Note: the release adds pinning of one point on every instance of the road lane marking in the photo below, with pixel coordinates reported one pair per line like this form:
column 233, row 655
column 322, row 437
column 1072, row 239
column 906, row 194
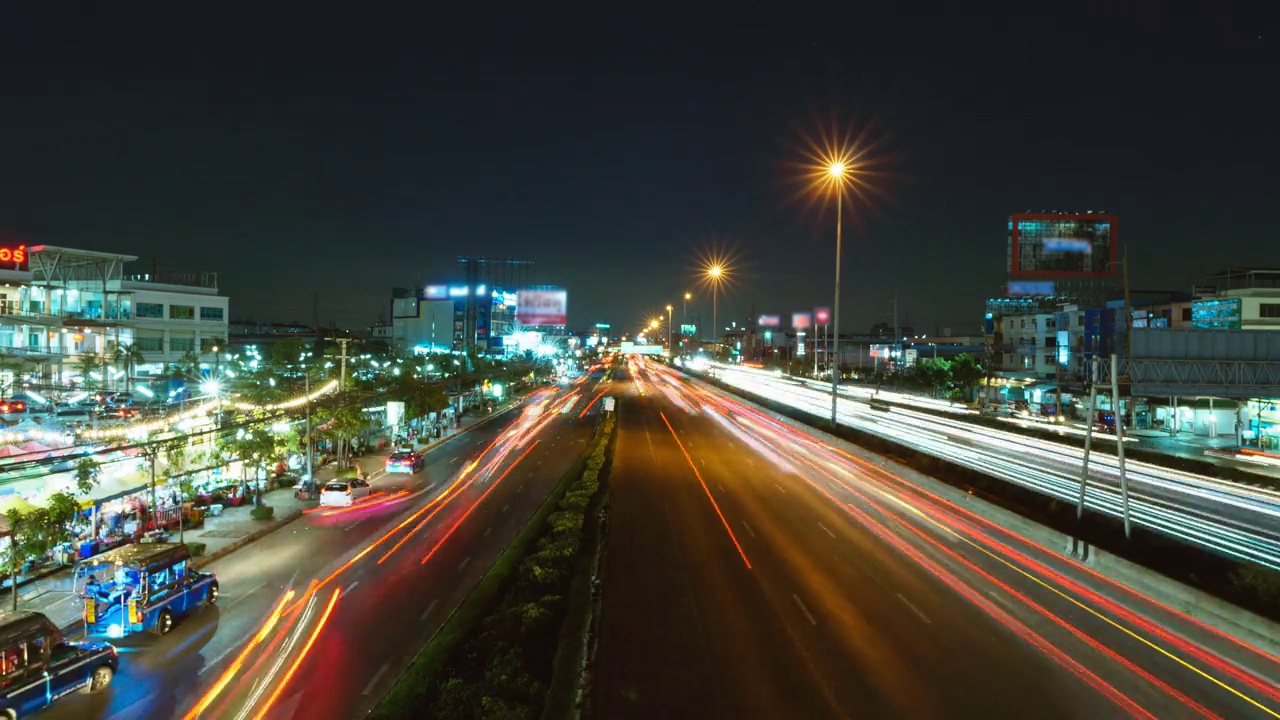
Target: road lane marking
column 504, row 507
column 804, row 609
column 351, row 587
column 779, row 487
column 824, row 527
column 749, row 461
column 464, row 563
column 372, row 681
column 427, row 612
column 915, row 609
column 455, row 458
column 748, row 527
column 219, row 658
column 247, row 593
column 703, row 461
column 488, row 530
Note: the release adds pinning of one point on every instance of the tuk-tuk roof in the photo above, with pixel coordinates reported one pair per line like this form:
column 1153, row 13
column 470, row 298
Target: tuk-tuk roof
column 142, row 554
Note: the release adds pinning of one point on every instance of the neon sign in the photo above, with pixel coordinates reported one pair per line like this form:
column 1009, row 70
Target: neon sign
column 17, row 256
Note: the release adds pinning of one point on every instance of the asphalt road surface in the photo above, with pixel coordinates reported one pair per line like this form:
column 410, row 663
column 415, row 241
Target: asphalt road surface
column 475, row 492
column 753, row 570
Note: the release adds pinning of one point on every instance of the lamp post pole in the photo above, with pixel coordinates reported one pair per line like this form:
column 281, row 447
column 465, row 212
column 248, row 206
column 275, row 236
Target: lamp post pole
column 835, row 310
column 670, row 348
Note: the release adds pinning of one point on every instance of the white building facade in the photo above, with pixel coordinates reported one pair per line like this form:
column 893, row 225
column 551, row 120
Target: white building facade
column 69, row 317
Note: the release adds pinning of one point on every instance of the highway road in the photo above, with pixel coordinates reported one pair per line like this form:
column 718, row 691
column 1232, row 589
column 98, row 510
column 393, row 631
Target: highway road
column 319, row 618
column 1236, row 520
column 755, row 570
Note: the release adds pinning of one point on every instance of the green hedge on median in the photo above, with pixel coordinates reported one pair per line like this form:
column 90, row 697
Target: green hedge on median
column 503, row 666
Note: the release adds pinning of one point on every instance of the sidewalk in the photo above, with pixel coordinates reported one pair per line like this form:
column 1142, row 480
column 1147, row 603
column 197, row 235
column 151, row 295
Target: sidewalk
column 230, row 530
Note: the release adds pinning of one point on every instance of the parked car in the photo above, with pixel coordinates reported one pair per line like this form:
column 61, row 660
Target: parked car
column 38, row 666
column 344, row 491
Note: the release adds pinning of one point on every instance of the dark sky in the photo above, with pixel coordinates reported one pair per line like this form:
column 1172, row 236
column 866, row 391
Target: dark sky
column 302, row 151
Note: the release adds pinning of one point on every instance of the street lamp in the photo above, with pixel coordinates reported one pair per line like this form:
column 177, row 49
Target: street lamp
column 670, row 349
column 837, row 172
column 684, row 318
column 715, row 274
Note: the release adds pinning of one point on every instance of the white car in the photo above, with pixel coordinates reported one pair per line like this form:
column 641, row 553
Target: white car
column 343, row 492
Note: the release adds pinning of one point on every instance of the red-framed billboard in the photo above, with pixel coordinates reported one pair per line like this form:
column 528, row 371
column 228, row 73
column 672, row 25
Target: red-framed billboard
column 1062, row 245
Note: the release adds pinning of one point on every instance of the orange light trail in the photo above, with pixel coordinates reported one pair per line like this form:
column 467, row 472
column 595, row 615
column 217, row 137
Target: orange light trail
column 300, row 657
column 476, row 504
column 707, row 490
column 234, row 668
column 590, row 404
column 322, row 508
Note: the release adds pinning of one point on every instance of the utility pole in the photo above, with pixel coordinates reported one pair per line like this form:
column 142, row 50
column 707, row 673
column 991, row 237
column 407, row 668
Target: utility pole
column 1094, row 365
column 1124, row 479
column 306, row 383
column 342, row 387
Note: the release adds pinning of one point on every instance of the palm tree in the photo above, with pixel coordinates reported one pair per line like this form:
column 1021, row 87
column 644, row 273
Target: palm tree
column 87, row 364
column 128, row 356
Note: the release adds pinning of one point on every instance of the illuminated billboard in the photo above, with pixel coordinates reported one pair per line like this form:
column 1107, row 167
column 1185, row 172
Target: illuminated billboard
column 822, row 315
column 1062, row 245
column 1030, row 287
column 770, row 321
column 1224, row 314
column 801, row 320
column 542, row 307
column 437, row 292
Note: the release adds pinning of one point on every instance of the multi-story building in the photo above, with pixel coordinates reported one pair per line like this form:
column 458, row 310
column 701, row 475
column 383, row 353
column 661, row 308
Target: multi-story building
column 75, row 317
column 245, row 333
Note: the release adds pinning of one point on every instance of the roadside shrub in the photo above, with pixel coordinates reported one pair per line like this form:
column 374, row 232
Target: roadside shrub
column 565, row 522
column 262, row 512
column 197, row 548
column 576, row 503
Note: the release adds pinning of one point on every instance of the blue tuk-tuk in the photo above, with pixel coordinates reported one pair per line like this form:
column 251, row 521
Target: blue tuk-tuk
column 142, row 587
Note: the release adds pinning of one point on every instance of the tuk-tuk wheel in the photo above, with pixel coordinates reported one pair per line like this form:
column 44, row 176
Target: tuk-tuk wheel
column 164, row 623
column 101, row 678
column 212, row 597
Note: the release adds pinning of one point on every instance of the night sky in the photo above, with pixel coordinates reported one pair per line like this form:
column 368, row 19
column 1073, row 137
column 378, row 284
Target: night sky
column 343, row 153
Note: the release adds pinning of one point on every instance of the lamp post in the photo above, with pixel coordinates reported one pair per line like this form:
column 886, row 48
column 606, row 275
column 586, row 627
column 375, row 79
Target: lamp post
column 714, row 274
column 684, row 319
column 670, row 347
column 836, row 171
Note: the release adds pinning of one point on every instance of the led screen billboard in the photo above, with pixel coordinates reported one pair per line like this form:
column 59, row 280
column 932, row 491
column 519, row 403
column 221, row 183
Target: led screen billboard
column 1062, row 245
column 822, row 315
column 801, row 320
column 542, row 307
column 770, row 321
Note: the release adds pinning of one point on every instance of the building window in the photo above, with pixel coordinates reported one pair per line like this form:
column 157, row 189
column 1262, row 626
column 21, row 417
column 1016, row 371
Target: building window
column 182, row 312
column 149, row 310
column 147, row 343
column 1269, row 310
column 1050, row 342
column 1186, row 314
column 181, row 344
column 210, row 313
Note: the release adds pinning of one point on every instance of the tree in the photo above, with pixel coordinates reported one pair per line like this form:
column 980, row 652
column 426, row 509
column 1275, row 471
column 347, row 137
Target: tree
column 933, row 373
column 86, row 365
column 966, row 373
column 342, row 424
column 127, row 357
column 86, row 474
column 34, row 533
